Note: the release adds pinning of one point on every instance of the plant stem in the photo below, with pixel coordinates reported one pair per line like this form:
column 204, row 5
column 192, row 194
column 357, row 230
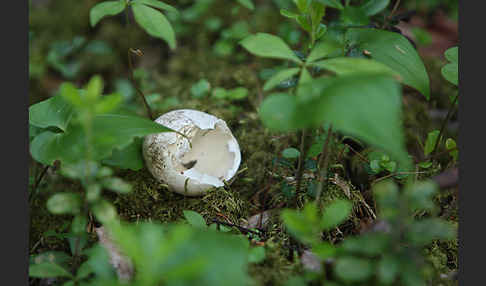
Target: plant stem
column 442, row 128
column 132, row 79
column 37, row 182
column 303, row 153
column 324, row 160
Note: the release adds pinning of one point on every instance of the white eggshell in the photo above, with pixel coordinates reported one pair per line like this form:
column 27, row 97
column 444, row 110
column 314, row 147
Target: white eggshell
column 215, row 154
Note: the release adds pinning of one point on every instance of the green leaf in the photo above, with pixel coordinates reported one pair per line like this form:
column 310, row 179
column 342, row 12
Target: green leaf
column 84, row 271
column 195, row 219
column 291, row 153
column 420, row 194
column 278, row 112
column 104, row 212
column 288, row 14
column 324, row 250
column 388, row 269
column 365, row 106
column 201, row 88
column 64, row 203
column 354, row 16
column 117, row 185
column 305, row 76
column 247, row 4
column 302, row 224
column 256, row 254
column 369, row 244
column 70, row 147
column 269, row 46
column 129, row 157
column 157, row 4
column 332, row 3
column 154, row 23
column 302, row 5
column 451, row 70
column 48, row 270
column 395, row 51
column 353, row 269
column 427, row 230
column 432, row 138
column 103, row 9
column 335, row 213
column 324, row 48
column 54, row 111
column 373, row 7
column 349, row 66
column 237, row 93
column 450, row 145
column 78, row 225
column 277, row 78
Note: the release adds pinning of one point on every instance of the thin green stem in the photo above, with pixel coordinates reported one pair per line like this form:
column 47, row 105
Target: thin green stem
column 451, row 111
column 323, row 168
column 132, row 79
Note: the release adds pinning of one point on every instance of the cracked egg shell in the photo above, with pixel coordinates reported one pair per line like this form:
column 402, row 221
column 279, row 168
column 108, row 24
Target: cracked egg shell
column 213, row 158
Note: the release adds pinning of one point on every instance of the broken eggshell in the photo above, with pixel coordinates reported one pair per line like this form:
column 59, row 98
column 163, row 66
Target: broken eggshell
column 191, row 168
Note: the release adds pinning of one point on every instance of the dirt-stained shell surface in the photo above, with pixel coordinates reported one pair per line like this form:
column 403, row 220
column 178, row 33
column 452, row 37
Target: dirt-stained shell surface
column 214, row 156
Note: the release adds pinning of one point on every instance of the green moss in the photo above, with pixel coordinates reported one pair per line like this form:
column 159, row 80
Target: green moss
column 150, row 200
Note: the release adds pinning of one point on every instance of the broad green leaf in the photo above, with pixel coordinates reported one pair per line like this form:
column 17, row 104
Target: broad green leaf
column 105, row 212
column 324, row 250
column 117, row 185
column 84, row 271
column 353, row 269
column 427, row 230
column 420, row 194
column 302, row 224
column 200, row 88
column 256, row 254
column 236, row 93
column 157, row 4
column 451, row 70
column 365, row 106
column 247, row 4
column 387, row 199
column 369, row 244
column 354, row 16
column 54, row 111
column 103, row 9
column 269, row 46
column 291, row 153
column 154, row 23
column 129, row 157
column 373, row 7
column 109, row 131
column 195, row 219
column 395, row 51
column 349, row 66
column 279, row 112
column 332, row 3
column 48, row 270
column 387, row 269
column 277, row 78
column 324, row 48
column 430, row 142
column 64, row 203
column 335, row 213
